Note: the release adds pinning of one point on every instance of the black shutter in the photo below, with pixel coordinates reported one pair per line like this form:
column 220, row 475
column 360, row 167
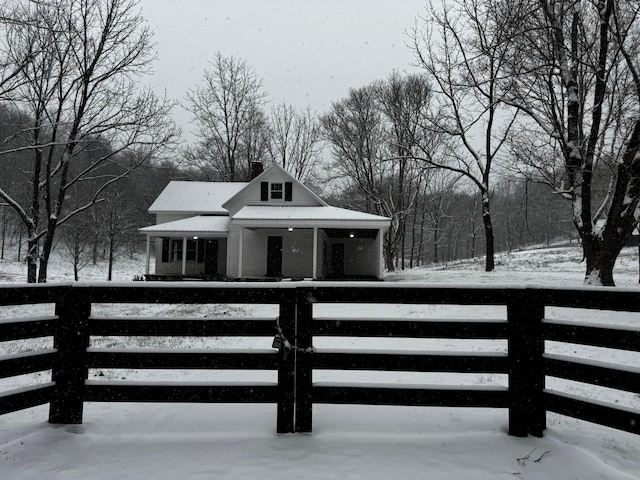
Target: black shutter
column 165, row 250
column 264, row 191
column 288, row 191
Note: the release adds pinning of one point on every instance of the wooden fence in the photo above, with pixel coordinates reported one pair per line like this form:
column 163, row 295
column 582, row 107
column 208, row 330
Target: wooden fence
column 294, row 357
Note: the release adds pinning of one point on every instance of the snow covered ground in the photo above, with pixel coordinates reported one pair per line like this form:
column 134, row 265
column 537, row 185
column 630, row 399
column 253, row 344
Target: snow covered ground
column 160, row 441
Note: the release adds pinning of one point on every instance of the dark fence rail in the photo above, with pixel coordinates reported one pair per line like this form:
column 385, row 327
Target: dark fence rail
column 525, row 364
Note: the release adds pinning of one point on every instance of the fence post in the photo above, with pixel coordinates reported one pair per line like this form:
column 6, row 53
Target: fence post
column 287, row 364
column 304, row 345
column 70, row 372
column 527, row 413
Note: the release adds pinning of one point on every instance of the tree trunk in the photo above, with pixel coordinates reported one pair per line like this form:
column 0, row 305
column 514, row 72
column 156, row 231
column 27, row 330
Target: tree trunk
column 4, row 231
column 94, row 249
column 388, row 253
column 488, row 233
column 600, row 259
column 44, row 265
column 111, row 254
column 20, row 243
column 435, row 241
column 413, row 261
column 47, row 246
column 473, row 244
column 32, row 259
column 421, row 241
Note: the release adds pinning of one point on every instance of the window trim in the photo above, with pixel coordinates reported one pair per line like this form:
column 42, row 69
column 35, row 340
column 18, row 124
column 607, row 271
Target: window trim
column 276, row 191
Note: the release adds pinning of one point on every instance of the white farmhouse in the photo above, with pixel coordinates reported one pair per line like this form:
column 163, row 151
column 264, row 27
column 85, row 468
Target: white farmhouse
column 271, row 227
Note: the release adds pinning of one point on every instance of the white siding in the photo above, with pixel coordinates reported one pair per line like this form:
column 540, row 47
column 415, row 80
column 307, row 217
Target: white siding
column 254, row 254
column 297, row 253
column 233, row 251
column 297, row 249
column 251, row 195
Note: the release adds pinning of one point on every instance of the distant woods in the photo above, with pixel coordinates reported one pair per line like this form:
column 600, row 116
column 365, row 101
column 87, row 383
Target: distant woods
column 518, row 126
column 75, row 122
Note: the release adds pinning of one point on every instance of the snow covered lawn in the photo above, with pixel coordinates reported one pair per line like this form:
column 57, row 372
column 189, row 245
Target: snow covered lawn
column 134, row 441
column 161, row 441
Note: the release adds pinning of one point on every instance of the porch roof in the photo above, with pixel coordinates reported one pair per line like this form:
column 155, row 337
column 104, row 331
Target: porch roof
column 199, row 225
column 322, row 214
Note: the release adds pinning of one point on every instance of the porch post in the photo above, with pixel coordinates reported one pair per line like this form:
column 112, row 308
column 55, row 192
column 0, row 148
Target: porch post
column 315, row 253
column 148, row 254
column 380, row 253
column 184, row 255
column 240, row 247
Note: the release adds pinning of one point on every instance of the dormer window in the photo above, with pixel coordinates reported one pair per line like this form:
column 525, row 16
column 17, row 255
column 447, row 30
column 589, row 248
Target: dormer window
column 276, row 191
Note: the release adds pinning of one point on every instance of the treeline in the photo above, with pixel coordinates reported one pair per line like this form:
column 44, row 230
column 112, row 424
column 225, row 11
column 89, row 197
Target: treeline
column 103, row 232
column 448, row 227
column 76, row 120
column 443, row 227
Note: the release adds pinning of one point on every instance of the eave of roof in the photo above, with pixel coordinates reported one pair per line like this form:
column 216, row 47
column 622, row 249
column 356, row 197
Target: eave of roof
column 199, row 225
column 321, row 216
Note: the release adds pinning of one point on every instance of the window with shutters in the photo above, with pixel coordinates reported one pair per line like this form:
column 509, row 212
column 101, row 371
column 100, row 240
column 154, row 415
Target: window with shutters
column 276, row 191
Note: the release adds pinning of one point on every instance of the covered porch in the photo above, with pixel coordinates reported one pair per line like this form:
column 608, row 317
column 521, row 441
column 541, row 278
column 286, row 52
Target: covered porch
column 314, row 242
column 188, row 249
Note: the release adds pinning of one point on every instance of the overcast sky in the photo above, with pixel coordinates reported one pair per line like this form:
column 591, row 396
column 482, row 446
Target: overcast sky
column 308, row 52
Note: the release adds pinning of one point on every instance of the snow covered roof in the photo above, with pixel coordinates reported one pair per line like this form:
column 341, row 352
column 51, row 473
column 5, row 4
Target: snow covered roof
column 313, row 214
column 195, row 197
column 199, row 225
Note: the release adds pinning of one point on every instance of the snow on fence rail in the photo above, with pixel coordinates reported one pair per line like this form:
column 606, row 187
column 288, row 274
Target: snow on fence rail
column 294, row 358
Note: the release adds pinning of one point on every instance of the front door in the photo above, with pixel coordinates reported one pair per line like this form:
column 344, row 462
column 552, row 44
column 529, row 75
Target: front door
column 210, row 257
column 337, row 259
column 274, row 256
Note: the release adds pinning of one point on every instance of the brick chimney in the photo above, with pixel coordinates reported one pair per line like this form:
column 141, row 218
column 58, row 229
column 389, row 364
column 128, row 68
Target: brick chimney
column 256, row 169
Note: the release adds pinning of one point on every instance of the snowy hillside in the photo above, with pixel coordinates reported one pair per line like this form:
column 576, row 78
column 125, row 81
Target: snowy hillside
column 555, row 266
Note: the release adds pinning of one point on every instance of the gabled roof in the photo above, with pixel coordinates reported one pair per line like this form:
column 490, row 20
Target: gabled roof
column 266, row 173
column 195, row 197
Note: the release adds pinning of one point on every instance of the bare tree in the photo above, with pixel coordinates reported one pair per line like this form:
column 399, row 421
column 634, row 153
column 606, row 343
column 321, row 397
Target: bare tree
column 465, row 60
column 79, row 85
column 74, row 249
column 373, row 134
column 355, row 130
column 224, row 109
column 295, row 140
column 405, row 101
column 254, row 143
column 576, row 74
